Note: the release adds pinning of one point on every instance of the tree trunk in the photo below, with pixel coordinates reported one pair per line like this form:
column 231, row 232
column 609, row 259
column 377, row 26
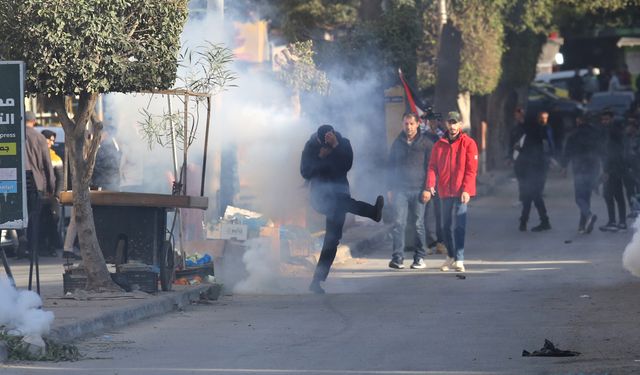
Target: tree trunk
column 448, row 61
column 464, row 104
column 500, row 108
column 82, row 153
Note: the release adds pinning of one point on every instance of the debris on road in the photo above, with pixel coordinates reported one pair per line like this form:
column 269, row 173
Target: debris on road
column 550, row 350
column 461, row 277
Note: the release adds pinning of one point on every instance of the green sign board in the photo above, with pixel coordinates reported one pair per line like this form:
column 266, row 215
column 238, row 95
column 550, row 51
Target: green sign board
column 13, row 200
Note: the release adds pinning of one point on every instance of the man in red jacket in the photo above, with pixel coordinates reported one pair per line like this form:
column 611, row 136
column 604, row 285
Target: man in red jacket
column 452, row 171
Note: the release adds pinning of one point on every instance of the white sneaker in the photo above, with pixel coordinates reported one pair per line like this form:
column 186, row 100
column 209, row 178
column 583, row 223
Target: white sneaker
column 458, row 266
column 447, row 264
column 418, row 265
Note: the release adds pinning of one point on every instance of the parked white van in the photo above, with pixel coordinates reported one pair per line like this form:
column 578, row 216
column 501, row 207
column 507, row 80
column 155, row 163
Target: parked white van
column 561, row 79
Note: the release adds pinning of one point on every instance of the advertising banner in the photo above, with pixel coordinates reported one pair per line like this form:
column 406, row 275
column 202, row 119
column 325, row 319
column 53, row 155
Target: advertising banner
column 13, row 201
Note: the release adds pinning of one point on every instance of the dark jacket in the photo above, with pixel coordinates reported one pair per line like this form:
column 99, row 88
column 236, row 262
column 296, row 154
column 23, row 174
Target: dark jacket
column 408, row 163
column 583, row 151
column 326, row 176
column 535, row 152
column 106, row 173
column 613, row 154
column 39, row 161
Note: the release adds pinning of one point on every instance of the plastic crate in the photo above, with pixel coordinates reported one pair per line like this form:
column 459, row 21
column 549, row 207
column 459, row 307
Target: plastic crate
column 146, row 281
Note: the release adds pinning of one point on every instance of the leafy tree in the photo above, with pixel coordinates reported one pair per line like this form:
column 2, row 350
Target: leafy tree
column 79, row 49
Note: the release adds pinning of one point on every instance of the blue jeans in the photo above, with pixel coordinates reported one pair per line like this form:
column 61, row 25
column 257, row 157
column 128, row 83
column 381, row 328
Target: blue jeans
column 406, row 204
column 454, row 213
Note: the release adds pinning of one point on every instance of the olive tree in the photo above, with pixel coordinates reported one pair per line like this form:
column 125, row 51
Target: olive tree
column 79, row 49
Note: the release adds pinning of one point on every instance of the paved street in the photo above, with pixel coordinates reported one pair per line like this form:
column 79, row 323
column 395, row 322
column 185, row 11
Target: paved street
column 520, row 288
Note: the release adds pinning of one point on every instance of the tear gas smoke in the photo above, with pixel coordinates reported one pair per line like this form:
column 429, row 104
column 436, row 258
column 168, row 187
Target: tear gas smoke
column 256, row 118
column 631, row 255
column 20, row 311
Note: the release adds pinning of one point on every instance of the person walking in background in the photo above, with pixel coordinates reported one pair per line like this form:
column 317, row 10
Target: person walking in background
column 590, row 83
column 613, row 171
column 408, row 161
column 39, row 179
column 582, row 151
column 49, row 232
column 432, row 210
column 106, row 173
column 576, row 87
column 631, row 161
column 326, row 158
column 533, row 148
column 451, row 174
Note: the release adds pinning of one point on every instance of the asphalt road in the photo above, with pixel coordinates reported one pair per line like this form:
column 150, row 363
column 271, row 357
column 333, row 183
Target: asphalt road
column 520, row 289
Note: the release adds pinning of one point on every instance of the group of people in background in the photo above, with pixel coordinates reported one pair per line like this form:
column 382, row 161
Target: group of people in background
column 601, row 150
column 582, row 86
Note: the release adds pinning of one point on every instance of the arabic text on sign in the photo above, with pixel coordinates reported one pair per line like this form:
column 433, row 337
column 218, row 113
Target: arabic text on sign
column 7, row 149
column 7, row 119
column 9, row 102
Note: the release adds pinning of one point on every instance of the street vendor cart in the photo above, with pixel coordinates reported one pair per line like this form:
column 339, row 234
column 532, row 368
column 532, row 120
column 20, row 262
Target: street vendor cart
column 132, row 227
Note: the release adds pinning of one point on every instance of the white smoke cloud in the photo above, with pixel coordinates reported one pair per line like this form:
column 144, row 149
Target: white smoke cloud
column 21, row 313
column 256, row 117
column 631, row 255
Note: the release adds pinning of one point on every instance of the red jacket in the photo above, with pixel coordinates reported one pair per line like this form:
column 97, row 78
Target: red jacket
column 453, row 166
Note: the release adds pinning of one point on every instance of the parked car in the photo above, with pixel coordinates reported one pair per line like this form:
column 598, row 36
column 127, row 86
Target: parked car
column 617, row 101
column 540, row 99
column 9, row 242
column 561, row 79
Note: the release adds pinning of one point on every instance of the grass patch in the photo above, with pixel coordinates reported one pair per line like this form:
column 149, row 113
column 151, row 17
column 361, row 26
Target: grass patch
column 54, row 352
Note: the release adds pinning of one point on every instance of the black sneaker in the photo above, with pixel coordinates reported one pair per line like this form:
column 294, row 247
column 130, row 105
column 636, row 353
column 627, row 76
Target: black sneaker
column 378, row 206
column 610, row 227
column 591, row 221
column 622, row 227
column 396, row 265
column 544, row 225
column 522, row 227
column 315, row 287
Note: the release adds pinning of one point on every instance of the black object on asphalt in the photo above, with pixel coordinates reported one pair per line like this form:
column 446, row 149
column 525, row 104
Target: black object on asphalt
column 461, row 277
column 550, row 350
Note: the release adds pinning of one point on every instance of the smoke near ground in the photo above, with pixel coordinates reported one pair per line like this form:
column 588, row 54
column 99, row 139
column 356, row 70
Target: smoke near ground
column 631, row 255
column 20, row 311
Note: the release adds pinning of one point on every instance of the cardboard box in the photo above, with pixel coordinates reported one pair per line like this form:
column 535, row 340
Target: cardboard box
column 228, row 231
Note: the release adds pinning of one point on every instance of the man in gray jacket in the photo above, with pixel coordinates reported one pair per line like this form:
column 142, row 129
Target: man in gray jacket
column 408, row 161
column 39, row 179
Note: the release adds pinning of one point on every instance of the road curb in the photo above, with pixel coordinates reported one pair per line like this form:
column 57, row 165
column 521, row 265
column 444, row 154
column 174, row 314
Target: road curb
column 161, row 304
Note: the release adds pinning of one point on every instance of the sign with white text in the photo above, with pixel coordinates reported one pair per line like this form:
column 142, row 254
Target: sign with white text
column 13, row 199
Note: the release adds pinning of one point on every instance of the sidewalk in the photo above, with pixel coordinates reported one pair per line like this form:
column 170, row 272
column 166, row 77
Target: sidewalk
column 86, row 314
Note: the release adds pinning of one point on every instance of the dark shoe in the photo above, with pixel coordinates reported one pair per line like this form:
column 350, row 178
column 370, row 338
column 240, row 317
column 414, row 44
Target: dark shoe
column 418, row 264
column 544, row 225
column 622, row 227
column 610, row 227
column 523, row 226
column 315, row 287
column 591, row 221
column 71, row 255
column 396, row 265
column 378, row 206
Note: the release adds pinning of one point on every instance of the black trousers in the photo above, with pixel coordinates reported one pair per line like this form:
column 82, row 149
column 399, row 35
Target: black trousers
column 613, row 193
column 334, row 223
